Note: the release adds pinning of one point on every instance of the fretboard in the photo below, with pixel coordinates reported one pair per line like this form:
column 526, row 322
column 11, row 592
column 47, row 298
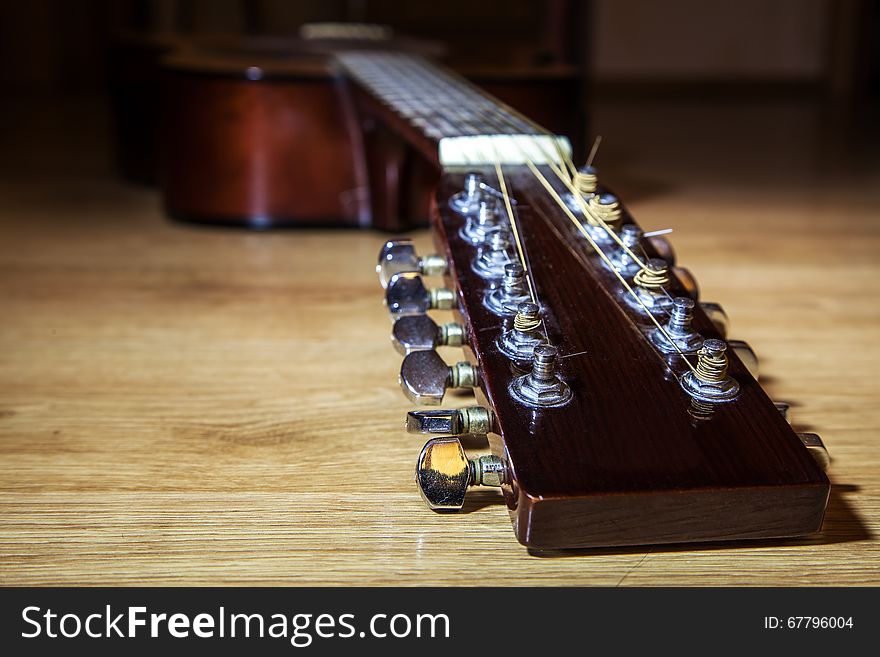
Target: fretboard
column 470, row 126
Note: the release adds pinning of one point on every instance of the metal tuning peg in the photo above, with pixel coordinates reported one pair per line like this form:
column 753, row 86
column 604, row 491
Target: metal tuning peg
column 709, row 381
column 817, row 449
column 421, row 333
column 746, row 354
column 444, row 473
column 717, row 316
column 649, row 289
column 512, row 291
column 542, row 387
column 400, row 256
column 493, row 255
column 488, row 217
column 663, row 248
column 604, row 206
column 456, row 422
column 407, row 295
column 688, row 282
column 621, row 260
column 783, row 408
column 519, row 341
column 811, row 441
column 678, row 334
column 467, row 201
column 425, row 377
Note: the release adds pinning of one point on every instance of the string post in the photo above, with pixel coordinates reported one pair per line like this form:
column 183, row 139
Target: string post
column 631, row 241
column 586, row 180
column 544, row 364
column 528, row 317
column 682, row 315
column 467, row 201
column 520, row 340
column 607, row 208
column 653, row 276
column 678, row 336
column 710, row 380
column 472, row 182
column 504, row 299
column 650, row 283
column 493, row 255
column 542, row 387
column 486, row 219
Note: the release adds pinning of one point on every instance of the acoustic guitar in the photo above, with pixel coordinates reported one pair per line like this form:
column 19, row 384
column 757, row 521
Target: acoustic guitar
column 262, row 132
column 616, row 411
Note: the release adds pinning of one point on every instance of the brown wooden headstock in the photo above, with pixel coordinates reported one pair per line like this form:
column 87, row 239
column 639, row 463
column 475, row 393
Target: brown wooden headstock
column 609, row 436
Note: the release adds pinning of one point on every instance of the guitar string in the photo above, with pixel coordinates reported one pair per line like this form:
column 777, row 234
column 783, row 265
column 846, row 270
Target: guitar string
column 576, row 194
column 515, row 230
column 524, row 259
column 577, row 223
column 566, row 181
column 596, row 143
column 552, row 192
column 567, row 178
column 588, row 211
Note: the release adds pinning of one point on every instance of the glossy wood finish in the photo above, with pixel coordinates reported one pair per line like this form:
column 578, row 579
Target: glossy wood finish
column 631, row 459
column 278, row 150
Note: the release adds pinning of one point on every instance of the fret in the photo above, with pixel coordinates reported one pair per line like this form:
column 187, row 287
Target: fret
column 470, row 127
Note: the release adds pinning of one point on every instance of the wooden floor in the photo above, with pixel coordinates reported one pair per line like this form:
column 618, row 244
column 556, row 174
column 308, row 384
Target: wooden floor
column 183, row 405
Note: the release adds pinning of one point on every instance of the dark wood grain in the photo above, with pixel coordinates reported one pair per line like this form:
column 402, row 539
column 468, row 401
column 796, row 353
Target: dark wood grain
column 629, row 460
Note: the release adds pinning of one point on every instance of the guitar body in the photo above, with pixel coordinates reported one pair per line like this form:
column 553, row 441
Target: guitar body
column 260, row 141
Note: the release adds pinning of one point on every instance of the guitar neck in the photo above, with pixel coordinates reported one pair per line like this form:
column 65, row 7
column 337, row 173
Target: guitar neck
column 451, row 121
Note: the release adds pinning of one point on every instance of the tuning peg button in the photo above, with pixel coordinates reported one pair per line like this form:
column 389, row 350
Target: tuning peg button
column 400, row 256
column 717, row 316
column 783, row 408
column 663, row 248
column 425, row 377
column 444, row 473
column 421, row 333
column 811, row 441
column 471, row 419
column 817, row 449
column 746, row 354
column 407, row 295
column 688, row 282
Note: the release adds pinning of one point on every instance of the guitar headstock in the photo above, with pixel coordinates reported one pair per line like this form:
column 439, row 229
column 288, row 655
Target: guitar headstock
column 616, row 411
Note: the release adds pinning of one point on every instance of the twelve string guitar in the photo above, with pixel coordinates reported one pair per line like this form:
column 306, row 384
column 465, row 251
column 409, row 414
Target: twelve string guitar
column 616, row 411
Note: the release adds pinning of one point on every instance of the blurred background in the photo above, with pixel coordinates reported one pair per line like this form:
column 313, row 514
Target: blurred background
column 826, row 46
column 670, row 85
